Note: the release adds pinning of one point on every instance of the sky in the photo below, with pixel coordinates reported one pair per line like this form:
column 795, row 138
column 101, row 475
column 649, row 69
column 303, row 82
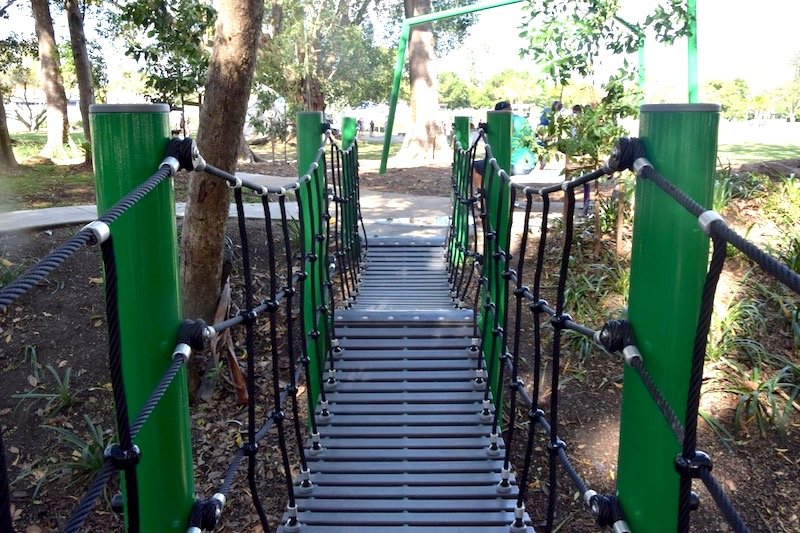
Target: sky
column 736, row 39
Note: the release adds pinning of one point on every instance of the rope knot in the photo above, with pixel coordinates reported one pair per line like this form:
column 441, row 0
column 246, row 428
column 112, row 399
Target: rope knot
column 191, row 333
column 616, row 335
column 249, row 449
column 693, row 466
column 626, row 151
column 554, row 446
column 120, row 458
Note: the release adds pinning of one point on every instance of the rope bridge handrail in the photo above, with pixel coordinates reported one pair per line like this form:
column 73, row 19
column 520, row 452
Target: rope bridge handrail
column 492, row 260
column 308, row 277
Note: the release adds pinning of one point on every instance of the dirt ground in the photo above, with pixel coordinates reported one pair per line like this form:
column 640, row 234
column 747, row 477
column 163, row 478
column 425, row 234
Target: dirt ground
column 61, row 323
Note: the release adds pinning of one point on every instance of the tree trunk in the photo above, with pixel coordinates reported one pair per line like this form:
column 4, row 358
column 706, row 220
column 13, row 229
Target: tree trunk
column 7, row 159
column 83, row 69
column 426, row 131
column 57, row 125
column 222, row 116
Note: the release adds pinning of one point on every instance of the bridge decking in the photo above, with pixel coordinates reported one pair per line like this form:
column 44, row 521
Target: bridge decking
column 405, row 449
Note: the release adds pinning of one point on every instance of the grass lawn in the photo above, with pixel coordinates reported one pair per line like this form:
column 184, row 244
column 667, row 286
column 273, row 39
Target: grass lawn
column 367, row 150
column 737, row 154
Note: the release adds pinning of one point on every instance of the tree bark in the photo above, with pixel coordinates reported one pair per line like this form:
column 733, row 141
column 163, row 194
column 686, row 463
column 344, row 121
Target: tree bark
column 230, row 76
column 7, row 159
column 426, row 131
column 83, row 68
column 57, row 124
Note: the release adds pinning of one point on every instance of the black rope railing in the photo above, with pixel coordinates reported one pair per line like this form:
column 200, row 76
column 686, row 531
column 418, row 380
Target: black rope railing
column 614, row 336
column 196, row 335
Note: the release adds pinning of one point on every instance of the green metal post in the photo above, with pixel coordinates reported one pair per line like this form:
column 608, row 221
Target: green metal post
column 401, row 56
column 462, row 175
column 497, row 198
column 398, row 74
column 309, row 139
column 669, row 261
column 129, row 144
column 348, row 212
column 691, row 9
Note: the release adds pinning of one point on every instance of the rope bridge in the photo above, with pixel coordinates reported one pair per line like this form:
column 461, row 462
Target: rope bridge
column 410, row 358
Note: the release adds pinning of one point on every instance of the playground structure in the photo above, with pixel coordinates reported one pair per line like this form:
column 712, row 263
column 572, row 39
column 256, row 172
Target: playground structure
column 410, row 22
column 444, row 452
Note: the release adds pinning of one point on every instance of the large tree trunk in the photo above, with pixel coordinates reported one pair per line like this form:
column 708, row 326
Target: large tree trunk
column 7, row 159
column 82, row 68
column 230, row 75
column 426, row 133
column 57, row 125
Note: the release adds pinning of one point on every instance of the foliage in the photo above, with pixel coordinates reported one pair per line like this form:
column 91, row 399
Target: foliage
column 13, row 49
column 733, row 96
column 454, row 93
column 97, row 62
column 566, row 36
column 62, row 398
column 86, row 456
column 168, row 37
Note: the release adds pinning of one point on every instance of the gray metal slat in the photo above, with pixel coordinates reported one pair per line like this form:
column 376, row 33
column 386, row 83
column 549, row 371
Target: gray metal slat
column 496, row 518
column 484, row 505
column 403, row 455
column 353, row 353
column 331, row 430
column 403, row 529
column 379, row 387
column 406, row 343
column 427, row 492
column 444, row 479
column 444, row 409
column 406, row 419
column 390, row 467
column 404, row 375
column 335, row 396
column 411, row 365
column 406, row 442
column 461, row 332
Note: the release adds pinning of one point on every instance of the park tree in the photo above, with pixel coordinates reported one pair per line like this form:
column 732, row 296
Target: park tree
column 83, row 68
column 567, row 36
column 227, row 90
column 12, row 51
column 169, row 39
column 732, row 95
column 323, row 56
column 454, row 93
column 426, row 131
column 57, row 124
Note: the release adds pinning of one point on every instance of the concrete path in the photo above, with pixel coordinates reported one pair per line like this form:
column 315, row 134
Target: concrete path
column 385, row 214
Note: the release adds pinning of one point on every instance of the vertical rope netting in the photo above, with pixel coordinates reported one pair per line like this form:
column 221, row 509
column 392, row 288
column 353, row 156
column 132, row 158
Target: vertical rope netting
column 249, row 448
column 557, row 321
column 277, row 413
column 515, row 381
column 338, row 237
column 467, row 200
column 305, row 280
column 502, row 274
column 289, row 308
column 125, row 451
column 358, row 219
column 689, row 444
column 489, row 305
column 327, row 195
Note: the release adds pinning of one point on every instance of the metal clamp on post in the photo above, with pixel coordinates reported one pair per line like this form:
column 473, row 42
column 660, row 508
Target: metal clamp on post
column 100, row 231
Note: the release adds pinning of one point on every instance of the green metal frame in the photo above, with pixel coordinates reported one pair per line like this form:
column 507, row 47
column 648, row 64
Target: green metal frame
column 401, row 56
column 130, row 143
column 462, row 175
column 312, row 195
column 668, row 266
column 498, row 197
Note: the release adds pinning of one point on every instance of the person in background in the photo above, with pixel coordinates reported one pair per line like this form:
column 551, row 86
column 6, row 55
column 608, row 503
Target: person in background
column 523, row 160
column 548, row 114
